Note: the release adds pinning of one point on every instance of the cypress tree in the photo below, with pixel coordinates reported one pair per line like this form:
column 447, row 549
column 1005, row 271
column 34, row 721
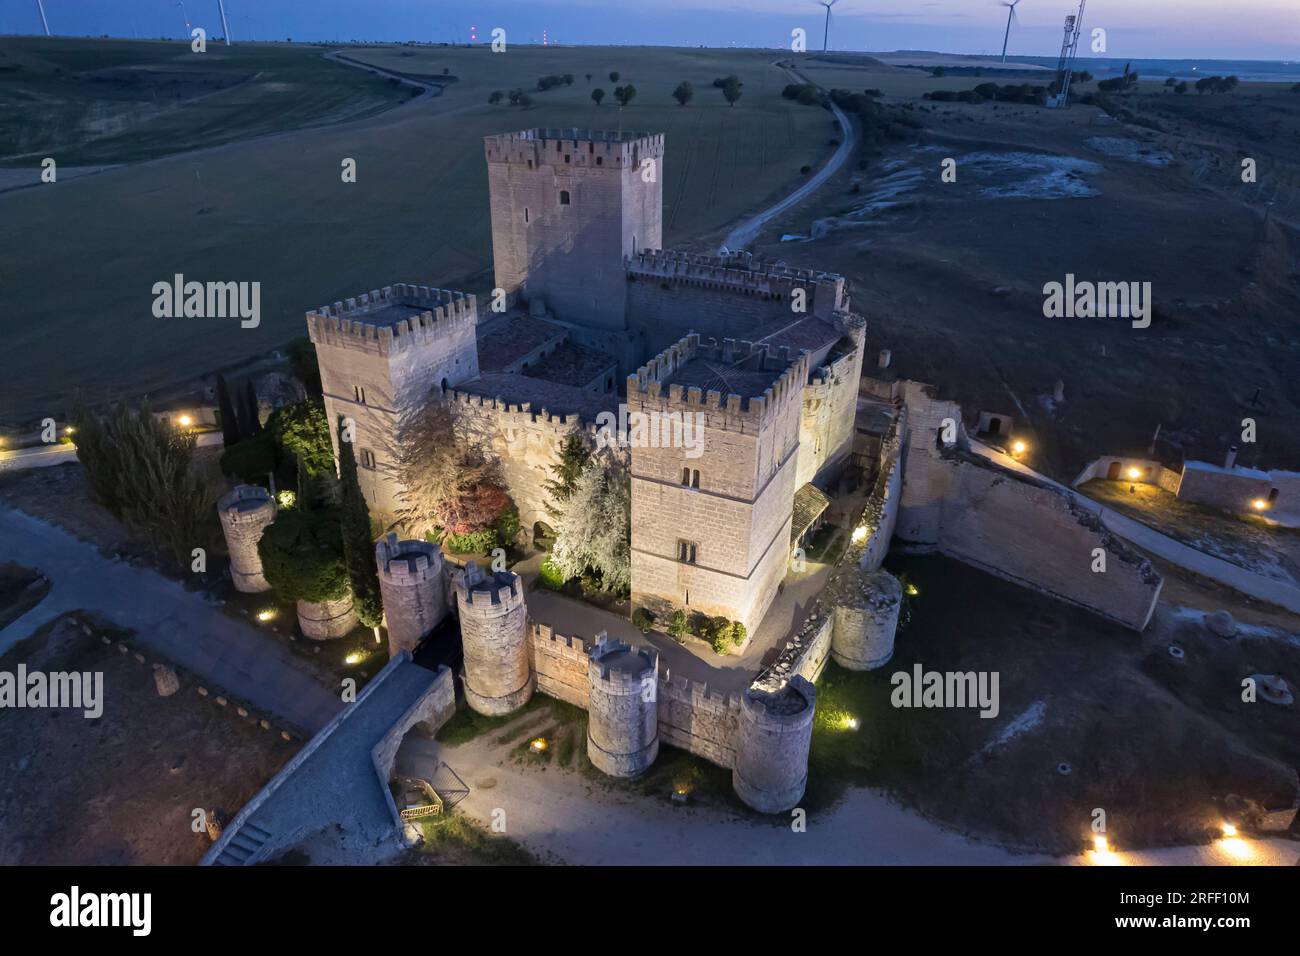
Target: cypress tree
column 358, row 545
column 252, row 416
column 229, row 420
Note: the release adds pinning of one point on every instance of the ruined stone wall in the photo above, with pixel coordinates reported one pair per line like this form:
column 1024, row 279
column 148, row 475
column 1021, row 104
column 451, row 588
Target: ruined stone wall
column 1037, row 536
column 880, row 514
column 926, row 484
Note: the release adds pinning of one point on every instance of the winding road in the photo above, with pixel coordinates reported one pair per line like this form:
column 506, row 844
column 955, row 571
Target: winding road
column 747, row 231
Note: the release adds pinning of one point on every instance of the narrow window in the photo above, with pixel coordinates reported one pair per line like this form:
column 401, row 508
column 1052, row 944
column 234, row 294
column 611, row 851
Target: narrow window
column 686, row 552
column 686, row 476
column 360, row 394
column 695, row 478
column 525, row 214
column 367, row 458
column 600, row 160
column 566, row 157
column 564, row 197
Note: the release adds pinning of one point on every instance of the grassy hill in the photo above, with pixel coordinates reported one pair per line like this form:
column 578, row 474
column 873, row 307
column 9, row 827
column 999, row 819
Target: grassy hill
column 78, row 258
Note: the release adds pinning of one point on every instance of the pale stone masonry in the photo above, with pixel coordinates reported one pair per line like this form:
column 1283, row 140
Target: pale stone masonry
column 589, row 294
column 712, row 533
column 568, row 206
column 382, row 353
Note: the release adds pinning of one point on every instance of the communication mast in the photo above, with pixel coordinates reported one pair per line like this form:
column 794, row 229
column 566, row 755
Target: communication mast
column 1065, row 67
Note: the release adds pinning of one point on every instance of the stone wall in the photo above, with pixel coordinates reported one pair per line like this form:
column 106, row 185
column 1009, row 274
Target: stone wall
column 1239, row 490
column 1035, row 535
column 560, row 665
column 1012, row 525
column 1149, row 472
column 826, row 428
column 372, row 371
column 567, row 207
column 698, row 721
column 525, row 444
column 880, row 514
column 431, row 711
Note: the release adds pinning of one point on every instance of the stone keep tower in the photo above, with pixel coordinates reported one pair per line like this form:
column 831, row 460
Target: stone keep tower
column 410, row 580
column 772, row 741
column 494, row 636
column 245, row 513
column 381, row 353
column 568, row 206
column 711, row 516
column 622, row 713
column 865, row 618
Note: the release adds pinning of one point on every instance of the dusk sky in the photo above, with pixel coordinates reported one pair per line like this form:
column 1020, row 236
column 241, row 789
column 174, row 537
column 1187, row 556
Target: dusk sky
column 1249, row 29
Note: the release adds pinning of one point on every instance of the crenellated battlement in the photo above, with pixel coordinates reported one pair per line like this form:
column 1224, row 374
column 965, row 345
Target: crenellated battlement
column 393, row 318
column 697, row 694
column 651, row 389
column 522, row 414
column 736, row 270
column 407, row 562
column 574, row 147
column 481, row 589
column 619, row 664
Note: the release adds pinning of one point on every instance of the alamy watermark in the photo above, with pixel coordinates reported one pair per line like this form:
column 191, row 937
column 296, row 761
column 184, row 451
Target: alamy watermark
column 179, row 299
column 67, row 690
column 1103, row 300
column 637, row 429
column 946, row 689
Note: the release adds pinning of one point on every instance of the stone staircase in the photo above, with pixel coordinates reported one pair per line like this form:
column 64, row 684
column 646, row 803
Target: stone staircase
column 243, row 846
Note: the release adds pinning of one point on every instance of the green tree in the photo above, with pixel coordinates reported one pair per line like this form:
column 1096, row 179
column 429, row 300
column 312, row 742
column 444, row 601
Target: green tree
column 229, row 420
column 574, row 455
column 139, row 467
column 494, row 97
column 302, row 556
column 251, row 419
column 302, row 430
column 306, row 368
column 597, row 95
column 731, row 90
column 613, row 76
column 683, row 93
column 595, row 525
column 624, row 94
column 358, row 544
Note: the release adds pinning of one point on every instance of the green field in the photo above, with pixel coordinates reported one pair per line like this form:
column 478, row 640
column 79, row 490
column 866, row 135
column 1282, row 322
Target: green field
column 123, row 101
column 78, row 259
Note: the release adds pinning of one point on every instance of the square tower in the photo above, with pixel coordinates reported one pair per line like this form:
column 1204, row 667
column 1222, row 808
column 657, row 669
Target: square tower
column 381, row 354
column 711, row 518
column 568, row 206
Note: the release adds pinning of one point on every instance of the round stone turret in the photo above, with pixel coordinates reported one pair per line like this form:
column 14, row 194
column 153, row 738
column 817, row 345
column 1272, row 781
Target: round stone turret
column 410, row 581
column 622, row 713
column 865, row 618
column 494, row 635
column 326, row 620
column 773, row 735
column 245, row 513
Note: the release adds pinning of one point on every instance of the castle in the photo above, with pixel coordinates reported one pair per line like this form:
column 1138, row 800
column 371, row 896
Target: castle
column 587, row 305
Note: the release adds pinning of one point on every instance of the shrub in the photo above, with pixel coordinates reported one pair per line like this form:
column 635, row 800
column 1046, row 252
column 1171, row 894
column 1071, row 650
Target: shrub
column 550, row 577
column 472, row 542
column 250, row 460
column 643, row 620
column 738, row 633
column 677, row 625
column 302, row 556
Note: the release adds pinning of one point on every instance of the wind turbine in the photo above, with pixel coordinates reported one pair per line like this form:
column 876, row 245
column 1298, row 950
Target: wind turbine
column 827, row 32
column 225, row 27
column 1011, row 15
column 186, row 15
column 46, row 23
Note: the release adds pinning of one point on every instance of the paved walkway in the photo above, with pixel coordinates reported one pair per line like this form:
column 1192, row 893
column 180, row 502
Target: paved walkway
column 561, row 815
column 1241, row 579
column 175, row 623
column 747, row 231
column 43, row 456
column 694, row 660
